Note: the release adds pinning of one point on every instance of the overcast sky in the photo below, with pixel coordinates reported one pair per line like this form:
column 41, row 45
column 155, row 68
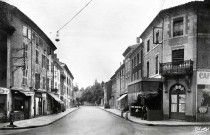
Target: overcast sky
column 92, row 44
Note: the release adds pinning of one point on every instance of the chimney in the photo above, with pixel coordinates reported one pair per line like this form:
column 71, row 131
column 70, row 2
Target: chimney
column 55, row 56
column 138, row 40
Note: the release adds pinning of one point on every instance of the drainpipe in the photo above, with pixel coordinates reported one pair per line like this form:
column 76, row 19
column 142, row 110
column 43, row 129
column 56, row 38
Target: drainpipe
column 196, row 103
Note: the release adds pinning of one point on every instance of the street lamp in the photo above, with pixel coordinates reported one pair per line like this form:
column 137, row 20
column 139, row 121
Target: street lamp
column 57, row 37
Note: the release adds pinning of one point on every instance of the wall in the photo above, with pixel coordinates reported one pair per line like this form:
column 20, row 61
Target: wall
column 188, row 43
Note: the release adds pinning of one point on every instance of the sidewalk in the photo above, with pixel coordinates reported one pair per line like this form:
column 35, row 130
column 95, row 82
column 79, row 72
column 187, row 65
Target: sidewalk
column 156, row 123
column 37, row 122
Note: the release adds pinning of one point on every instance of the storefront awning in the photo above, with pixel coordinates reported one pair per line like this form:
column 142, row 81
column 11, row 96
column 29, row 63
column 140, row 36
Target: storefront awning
column 145, row 86
column 56, row 98
column 27, row 93
column 123, row 96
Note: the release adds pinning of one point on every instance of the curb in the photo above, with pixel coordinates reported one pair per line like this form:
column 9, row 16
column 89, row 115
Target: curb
column 125, row 118
column 35, row 126
column 165, row 125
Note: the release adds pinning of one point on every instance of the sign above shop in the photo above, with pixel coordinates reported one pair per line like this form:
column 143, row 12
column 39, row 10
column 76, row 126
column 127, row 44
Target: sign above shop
column 203, row 77
column 4, row 90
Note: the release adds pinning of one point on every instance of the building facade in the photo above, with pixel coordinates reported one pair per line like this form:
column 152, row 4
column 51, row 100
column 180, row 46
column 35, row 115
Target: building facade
column 27, row 54
column 66, row 86
column 136, row 72
column 28, row 76
column 177, row 38
column 121, row 95
column 113, row 93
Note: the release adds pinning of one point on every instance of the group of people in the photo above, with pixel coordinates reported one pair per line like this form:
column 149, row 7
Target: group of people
column 141, row 112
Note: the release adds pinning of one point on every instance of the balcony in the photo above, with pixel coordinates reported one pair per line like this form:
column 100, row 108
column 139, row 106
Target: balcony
column 176, row 68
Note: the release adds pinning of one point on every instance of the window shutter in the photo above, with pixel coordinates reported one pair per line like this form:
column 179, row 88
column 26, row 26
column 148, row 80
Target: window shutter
column 25, row 31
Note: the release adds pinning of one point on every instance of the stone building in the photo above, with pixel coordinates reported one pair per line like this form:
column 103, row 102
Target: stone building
column 135, row 56
column 25, row 60
column 113, row 93
column 66, row 83
column 130, row 74
column 121, row 95
column 178, row 38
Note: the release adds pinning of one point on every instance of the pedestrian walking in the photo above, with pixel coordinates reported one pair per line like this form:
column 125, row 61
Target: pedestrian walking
column 144, row 112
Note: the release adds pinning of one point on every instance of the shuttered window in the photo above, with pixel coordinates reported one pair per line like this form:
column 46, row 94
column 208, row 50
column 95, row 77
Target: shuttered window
column 178, row 55
column 178, row 27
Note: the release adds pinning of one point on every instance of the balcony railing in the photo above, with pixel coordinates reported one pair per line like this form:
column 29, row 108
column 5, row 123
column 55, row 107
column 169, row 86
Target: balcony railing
column 176, row 68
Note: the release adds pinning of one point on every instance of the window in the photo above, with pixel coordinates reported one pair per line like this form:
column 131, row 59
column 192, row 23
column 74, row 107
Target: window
column 178, row 55
column 25, row 73
column 140, row 56
column 178, row 27
column 148, row 45
column 37, row 81
column 47, row 84
column 40, row 42
column 134, row 61
column 52, row 67
column 43, row 82
column 48, row 50
column 37, row 57
column 52, row 84
column 37, row 41
column 147, row 69
column 47, row 63
column 43, row 61
column 139, row 74
column 156, row 64
column 137, row 58
column 29, row 34
column 33, row 35
column 157, row 37
column 55, row 85
column 25, row 31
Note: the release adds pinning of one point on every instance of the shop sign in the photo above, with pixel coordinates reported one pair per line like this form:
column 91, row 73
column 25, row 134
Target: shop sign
column 203, row 77
column 4, row 91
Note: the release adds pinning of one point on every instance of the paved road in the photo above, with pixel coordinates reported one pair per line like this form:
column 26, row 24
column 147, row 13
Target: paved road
column 94, row 121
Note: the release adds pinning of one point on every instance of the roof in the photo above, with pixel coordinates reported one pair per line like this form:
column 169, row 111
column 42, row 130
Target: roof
column 113, row 76
column 133, row 53
column 67, row 69
column 19, row 14
column 129, row 49
column 190, row 5
column 121, row 67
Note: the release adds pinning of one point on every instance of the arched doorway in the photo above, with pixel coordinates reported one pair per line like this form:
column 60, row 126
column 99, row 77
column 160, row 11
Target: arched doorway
column 177, row 101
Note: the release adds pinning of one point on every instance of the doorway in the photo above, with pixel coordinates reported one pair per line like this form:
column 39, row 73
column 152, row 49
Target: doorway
column 177, row 102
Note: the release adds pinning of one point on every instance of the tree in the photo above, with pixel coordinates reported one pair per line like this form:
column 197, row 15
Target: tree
column 93, row 94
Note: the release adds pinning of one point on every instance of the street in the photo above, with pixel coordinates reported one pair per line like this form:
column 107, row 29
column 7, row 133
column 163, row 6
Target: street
column 94, row 121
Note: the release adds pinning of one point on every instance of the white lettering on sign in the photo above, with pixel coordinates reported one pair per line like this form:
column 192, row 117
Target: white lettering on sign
column 203, row 77
column 4, row 91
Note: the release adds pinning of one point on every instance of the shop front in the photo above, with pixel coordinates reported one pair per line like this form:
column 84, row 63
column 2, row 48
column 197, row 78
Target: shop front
column 3, row 104
column 57, row 103
column 122, row 101
column 146, row 95
column 179, row 98
column 21, row 104
column 38, row 109
column 203, row 93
